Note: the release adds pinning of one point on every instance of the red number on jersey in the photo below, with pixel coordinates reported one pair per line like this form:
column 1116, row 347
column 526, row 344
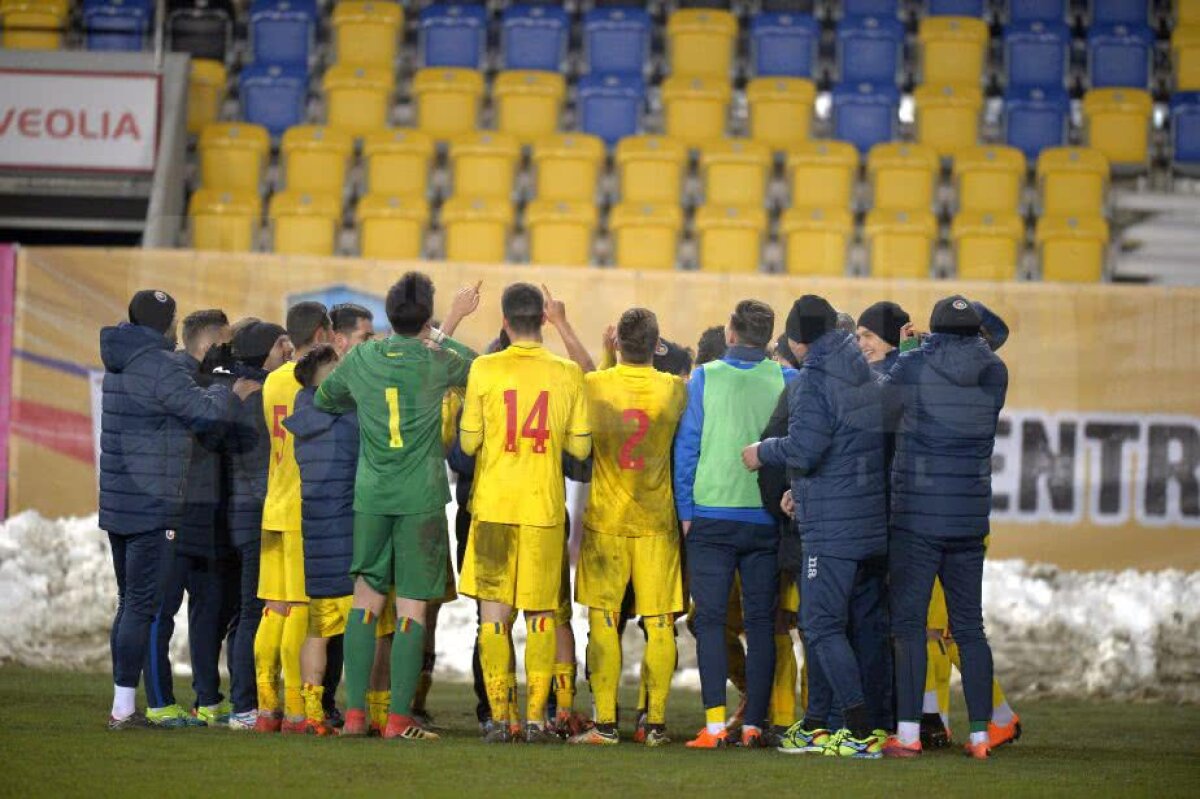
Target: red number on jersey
column 278, row 414
column 535, row 425
column 626, row 459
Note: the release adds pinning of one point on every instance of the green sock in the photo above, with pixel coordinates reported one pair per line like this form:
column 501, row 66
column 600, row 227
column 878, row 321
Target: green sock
column 358, row 647
column 408, row 653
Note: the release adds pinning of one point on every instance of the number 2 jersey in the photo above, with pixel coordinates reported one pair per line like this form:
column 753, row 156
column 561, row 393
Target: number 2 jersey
column 281, row 510
column 523, row 407
column 633, row 411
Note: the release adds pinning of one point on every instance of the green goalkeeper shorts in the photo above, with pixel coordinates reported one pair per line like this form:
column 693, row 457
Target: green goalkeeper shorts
column 409, row 552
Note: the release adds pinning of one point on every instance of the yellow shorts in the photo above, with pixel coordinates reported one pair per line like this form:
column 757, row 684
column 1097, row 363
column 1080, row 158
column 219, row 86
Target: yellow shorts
column 281, row 567
column 789, row 594
column 939, row 617
column 517, row 565
column 327, row 616
column 608, row 563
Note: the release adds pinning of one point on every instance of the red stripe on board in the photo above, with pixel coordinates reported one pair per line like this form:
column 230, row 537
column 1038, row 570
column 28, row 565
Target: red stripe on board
column 66, row 432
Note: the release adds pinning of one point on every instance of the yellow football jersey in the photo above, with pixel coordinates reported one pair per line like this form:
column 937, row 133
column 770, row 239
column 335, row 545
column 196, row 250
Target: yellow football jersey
column 633, row 411
column 522, row 408
column 452, row 402
column 281, row 511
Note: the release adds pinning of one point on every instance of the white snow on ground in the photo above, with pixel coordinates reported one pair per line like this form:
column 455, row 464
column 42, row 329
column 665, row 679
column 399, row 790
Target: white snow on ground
column 1122, row 635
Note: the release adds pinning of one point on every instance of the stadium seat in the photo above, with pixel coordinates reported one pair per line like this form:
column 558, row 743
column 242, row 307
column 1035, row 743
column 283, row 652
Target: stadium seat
column 1072, row 181
column 789, row 6
column 560, row 232
column 1035, row 119
column 610, row 106
column 358, row 97
column 1021, row 11
column 31, row 25
column 735, row 172
column 1037, row 54
column 206, row 93
column 477, row 229
column 730, row 237
column 701, row 43
column 900, row 243
column 534, row 37
column 865, row 115
column 651, row 169
column 453, row 35
column 1120, row 55
column 989, row 179
column 616, row 40
column 1185, row 132
column 1186, row 12
column 314, row 159
column 953, row 50
column 392, row 227
column 398, row 162
column 528, row 104
column 695, row 108
column 233, row 156
column 1185, row 57
column 645, row 235
column 784, row 45
column 903, row 176
column 282, row 31
column 304, row 224
column 955, row 8
column 484, row 164
column 821, row 174
column 203, row 28
column 870, row 50
column 868, row 8
column 1118, row 125
column 1118, row 12
column 816, row 240
column 365, row 31
column 447, row 100
column 120, row 25
column 567, row 167
column 948, row 116
column 274, row 96
column 781, row 110
column 224, row 221
column 1072, row 248
column 987, row 244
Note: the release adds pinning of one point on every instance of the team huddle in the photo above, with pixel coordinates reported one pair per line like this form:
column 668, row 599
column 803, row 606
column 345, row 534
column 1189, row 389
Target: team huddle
column 294, row 481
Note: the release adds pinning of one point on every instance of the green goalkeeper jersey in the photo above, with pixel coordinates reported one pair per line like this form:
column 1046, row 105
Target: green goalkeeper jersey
column 397, row 385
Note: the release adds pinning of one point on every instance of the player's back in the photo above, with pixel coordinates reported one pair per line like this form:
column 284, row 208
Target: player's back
column 281, row 510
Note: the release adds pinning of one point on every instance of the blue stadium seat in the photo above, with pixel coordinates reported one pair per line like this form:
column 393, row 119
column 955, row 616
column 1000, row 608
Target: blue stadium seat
column 865, row 115
column 616, row 40
column 1120, row 55
column 610, row 106
column 534, row 37
column 784, row 44
column 453, row 35
column 1036, row 118
column 869, row 49
column 871, row 8
column 117, row 24
column 1185, row 130
column 274, row 95
column 1037, row 11
column 955, row 8
column 1036, row 54
column 1119, row 12
column 282, row 31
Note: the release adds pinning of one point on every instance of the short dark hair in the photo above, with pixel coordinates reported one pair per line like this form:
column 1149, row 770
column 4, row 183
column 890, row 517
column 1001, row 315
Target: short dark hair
column 637, row 335
column 313, row 360
column 344, row 316
column 523, row 307
column 198, row 322
column 711, row 346
column 409, row 303
column 754, row 322
column 304, row 319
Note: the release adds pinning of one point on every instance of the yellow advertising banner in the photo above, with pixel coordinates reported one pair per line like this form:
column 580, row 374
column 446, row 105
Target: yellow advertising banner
column 1097, row 462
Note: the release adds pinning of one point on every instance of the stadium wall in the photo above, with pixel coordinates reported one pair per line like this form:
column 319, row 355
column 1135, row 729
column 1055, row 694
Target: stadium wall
column 1098, row 458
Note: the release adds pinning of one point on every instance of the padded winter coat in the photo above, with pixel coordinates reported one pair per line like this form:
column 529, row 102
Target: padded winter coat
column 248, row 455
column 203, row 531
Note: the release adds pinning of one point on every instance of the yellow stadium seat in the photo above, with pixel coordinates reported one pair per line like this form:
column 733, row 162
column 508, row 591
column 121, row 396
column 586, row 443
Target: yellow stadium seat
column 989, row 178
column 560, row 232
column 900, row 242
column 528, row 104
column 1072, row 248
column 224, row 221
column 735, row 171
column 731, row 237
column 781, row 110
column 987, row 245
column 1187, row 12
column 645, row 236
column 477, row 228
column 233, row 156
column 366, row 32
column 701, row 42
column 948, row 117
column 315, row 159
column 1118, row 125
column 816, row 240
column 358, row 97
column 821, row 174
column 1185, row 57
column 1072, row 181
column 206, row 92
column 32, row 24
column 903, row 176
column 651, row 169
column 567, row 166
column 305, row 224
column 447, row 100
column 695, row 108
column 398, row 162
column 484, row 164
column 953, row 50
column 392, row 227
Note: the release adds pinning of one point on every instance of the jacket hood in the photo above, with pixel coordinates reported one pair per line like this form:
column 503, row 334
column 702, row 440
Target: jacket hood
column 306, row 421
column 119, row 345
column 836, row 354
column 959, row 359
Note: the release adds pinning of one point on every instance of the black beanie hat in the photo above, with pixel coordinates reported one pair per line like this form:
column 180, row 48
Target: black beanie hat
column 810, row 318
column 955, row 315
column 885, row 319
column 671, row 358
column 153, row 309
column 254, row 342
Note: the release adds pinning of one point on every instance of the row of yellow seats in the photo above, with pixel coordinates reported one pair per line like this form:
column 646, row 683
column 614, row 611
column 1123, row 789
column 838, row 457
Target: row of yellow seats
column 1185, row 53
column 33, row 24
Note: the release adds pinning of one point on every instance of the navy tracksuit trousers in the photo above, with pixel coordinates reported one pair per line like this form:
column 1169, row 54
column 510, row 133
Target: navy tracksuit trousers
column 142, row 564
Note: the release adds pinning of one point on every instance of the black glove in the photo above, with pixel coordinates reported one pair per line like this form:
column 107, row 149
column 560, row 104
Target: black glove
column 218, row 366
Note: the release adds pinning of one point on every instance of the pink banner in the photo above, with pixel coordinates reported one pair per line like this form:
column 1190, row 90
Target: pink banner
column 8, row 267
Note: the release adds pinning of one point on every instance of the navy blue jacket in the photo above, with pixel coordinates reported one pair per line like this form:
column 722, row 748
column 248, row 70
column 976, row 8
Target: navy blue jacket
column 834, row 451
column 202, row 529
column 151, row 406
column 327, row 452
column 947, row 395
column 248, row 455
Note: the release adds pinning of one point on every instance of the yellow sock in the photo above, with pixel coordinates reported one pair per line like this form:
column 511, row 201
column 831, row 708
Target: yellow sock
column 604, row 663
column 377, row 707
column 564, row 687
column 495, row 656
column 783, row 690
column 937, row 675
column 312, row 695
column 540, row 645
column 998, row 697
column 715, row 715
column 658, row 664
column 295, row 630
column 266, row 659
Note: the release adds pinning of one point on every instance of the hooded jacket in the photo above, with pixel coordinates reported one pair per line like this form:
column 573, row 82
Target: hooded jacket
column 203, row 531
column 248, row 454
